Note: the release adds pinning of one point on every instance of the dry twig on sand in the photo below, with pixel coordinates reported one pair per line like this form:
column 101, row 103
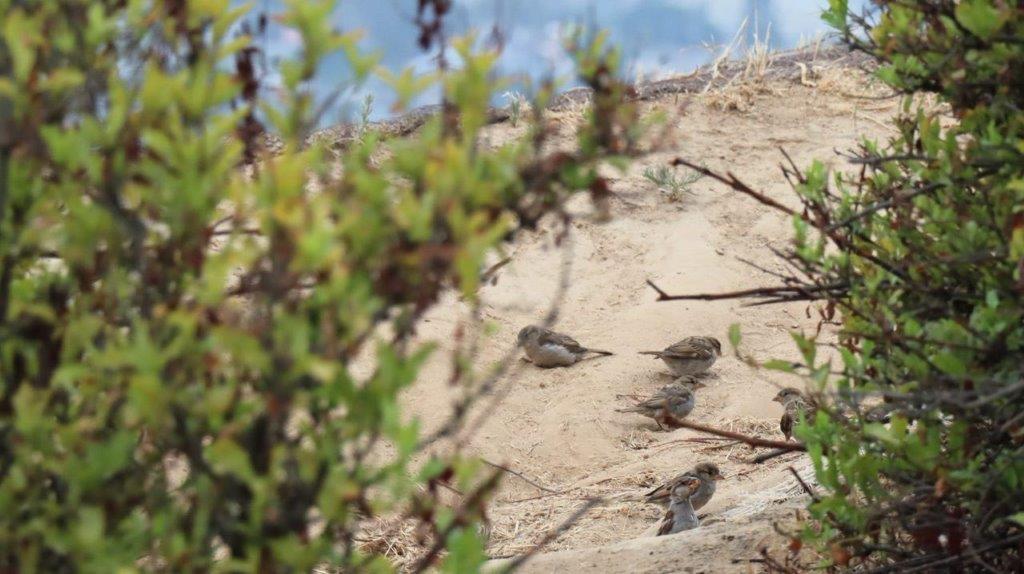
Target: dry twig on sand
column 750, row 440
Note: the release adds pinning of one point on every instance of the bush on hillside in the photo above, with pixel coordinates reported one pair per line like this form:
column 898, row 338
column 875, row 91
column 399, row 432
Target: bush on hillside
column 918, row 439
column 180, row 308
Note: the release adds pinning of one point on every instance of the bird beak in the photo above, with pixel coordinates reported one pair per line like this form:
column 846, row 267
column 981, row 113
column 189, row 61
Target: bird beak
column 699, row 385
column 719, row 477
column 776, row 400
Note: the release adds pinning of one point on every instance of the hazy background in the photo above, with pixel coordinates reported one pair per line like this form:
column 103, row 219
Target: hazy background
column 658, row 37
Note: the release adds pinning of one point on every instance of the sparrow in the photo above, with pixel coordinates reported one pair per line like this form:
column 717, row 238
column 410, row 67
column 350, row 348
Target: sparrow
column 547, row 348
column 691, row 356
column 685, row 382
column 665, row 409
column 681, row 515
column 706, row 472
column 794, row 404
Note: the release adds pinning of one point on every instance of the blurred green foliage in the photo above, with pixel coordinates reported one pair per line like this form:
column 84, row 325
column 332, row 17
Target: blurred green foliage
column 180, row 308
column 923, row 255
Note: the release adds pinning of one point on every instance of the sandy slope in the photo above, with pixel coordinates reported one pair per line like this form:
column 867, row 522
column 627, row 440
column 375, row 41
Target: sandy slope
column 559, row 427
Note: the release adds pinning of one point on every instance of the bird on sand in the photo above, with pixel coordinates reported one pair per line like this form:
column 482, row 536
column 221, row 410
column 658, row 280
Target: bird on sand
column 691, row 356
column 706, row 472
column 681, row 515
column 546, row 348
column 792, row 400
column 665, row 409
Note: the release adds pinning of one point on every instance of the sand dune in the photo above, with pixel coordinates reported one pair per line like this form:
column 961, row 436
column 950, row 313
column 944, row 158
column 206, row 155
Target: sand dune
column 559, row 426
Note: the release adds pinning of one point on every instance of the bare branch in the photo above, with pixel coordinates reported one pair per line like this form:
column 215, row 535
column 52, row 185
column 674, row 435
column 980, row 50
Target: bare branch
column 762, row 458
column 750, row 440
column 803, row 484
column 493, row 270
column 800, row 291
column 932, row 562
column 733, row 182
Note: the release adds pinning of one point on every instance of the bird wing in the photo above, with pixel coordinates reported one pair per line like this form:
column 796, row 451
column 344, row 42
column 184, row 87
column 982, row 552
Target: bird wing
column 663, row 491
column 646, row 408
column 670, row 390
column 786, row 425
column 553, row 338
column 795, row 407
column 654, row 403
column 666, row 523
column 688, row 349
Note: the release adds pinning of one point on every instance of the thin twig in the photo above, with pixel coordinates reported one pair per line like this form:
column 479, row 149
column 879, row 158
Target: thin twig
column 760, row 291
column 551, row 536
column 761, row 458
column 875, row 207
column 926, row 563
column 243, row 231
column 733, row 182
column 520, row 475
column 493, row 269
column 475, row 499
column 804, row 485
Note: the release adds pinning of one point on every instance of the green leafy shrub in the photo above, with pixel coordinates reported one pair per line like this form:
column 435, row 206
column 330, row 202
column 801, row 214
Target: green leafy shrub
column 180, row 308
column 918, row 440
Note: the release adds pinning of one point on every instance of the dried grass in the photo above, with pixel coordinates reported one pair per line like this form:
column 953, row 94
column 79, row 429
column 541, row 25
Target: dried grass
column 737, row 93
column 638, row 439
column 396, row 538
column 758, row 57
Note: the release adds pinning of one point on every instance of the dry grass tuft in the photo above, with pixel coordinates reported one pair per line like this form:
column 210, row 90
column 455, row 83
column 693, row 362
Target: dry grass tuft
column 396, row 538
column 758, row 58
column 638, row 439
column 754, row 427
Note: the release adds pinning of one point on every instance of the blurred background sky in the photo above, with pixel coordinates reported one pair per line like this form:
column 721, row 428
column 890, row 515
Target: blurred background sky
column 658, row 37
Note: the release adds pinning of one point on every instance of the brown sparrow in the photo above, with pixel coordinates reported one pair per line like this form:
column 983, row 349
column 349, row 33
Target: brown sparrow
column 793, row 401
column 684, row 382
column 706, row 472
column 665, row 409
column 547, row 348
column 681, row 515
column 691, row 356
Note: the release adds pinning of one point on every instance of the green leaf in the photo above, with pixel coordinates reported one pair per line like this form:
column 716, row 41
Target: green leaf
column 735, row 336
column 881, row 433
column 950, row 363
column 807, row 347
column 226, row 456
column 780, row 365
column 981, row 17
column 835, row 15
column 89, row 528
column 465, row 552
